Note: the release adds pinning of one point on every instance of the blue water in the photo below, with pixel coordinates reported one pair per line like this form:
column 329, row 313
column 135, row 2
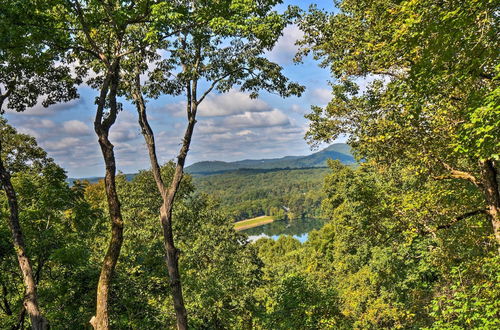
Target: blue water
column 298, row 228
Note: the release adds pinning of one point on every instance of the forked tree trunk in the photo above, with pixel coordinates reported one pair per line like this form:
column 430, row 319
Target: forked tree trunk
column 168, row 196
column 102, row 126
column 38, row 322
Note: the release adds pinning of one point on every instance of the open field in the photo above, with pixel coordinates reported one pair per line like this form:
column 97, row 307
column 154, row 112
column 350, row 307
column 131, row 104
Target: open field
column 254, row 222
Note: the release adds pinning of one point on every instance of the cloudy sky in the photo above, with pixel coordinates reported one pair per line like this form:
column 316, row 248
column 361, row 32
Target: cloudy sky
column 230, row 126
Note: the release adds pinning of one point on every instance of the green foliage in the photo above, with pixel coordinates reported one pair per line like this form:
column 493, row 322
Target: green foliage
column 219, row 269
column 416, row 90
column 472, row 299
column 247, row 193
column 292, row 296
column 58, row 225
column 31, row 69
column 65, row 230
column 219, row 43
column 408, row 243
column 388, row 258
column 429, row 72
column 479, row 136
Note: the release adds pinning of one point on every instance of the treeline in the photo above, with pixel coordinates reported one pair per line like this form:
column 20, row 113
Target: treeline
column 386, row 260
column 294, row 193
column 414, row 231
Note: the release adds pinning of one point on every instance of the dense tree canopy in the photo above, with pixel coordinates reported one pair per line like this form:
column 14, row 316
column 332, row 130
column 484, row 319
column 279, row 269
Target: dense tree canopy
column 431, row 105
column 412, row 232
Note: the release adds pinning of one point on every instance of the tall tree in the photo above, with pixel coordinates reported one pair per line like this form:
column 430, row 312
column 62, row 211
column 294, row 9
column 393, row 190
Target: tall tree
column 216, row 46
column 30, row 300
column 105, row 32
column 28, row 71
column 57, row 225
column 431, row 96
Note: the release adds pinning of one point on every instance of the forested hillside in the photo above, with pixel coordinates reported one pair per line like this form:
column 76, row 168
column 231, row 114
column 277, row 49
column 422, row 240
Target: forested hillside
column 250, row 193
column 410, row 235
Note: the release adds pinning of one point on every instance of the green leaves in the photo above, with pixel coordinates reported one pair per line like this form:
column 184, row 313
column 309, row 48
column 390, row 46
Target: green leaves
column 220, row 45
column 480, row 135
column 58, row 227
column 32, row 67
column 432, row 67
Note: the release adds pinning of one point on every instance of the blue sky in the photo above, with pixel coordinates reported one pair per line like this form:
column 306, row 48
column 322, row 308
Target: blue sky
column 242, row 128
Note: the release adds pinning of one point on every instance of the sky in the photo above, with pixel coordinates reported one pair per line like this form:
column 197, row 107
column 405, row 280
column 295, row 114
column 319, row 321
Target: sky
column 230, row 126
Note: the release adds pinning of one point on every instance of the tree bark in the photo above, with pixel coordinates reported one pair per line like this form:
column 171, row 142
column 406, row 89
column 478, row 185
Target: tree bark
column 30, row 303
column 168, row 196
column 102, row 126
column 492, row 194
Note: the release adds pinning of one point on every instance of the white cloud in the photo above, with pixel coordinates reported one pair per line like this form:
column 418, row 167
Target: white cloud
column 62, row 144
column 76, row 127
column 321, row 96
column 125, row 129
column 208, row 127
column 298, row 109
column 230, row 103
column 28, row 131
column 244, row 132
column 258, row 119
column 285, row 49
column 220, row 105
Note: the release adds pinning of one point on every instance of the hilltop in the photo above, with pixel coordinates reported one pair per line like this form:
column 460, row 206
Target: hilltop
column 339, row 151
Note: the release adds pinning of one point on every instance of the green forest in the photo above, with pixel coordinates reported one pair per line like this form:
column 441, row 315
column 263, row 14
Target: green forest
column 250, row 193
column 412, row 230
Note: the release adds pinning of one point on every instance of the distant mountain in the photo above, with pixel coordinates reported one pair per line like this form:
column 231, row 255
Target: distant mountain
column 340, row 151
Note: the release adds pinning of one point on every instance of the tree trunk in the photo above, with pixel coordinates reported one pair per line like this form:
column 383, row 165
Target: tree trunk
column 102, row 126
column 30, row 303
column 172, row 259
column 168, row 196
column 490, row 183
column 101, row 320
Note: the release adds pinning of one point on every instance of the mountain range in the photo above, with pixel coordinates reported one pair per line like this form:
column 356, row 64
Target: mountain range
column 339, row 151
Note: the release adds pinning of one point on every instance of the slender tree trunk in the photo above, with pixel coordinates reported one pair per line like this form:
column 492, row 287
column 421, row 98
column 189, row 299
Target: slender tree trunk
column 168, row 196
column 38, row 322
column 172, row 259
column 102, row 126
column 490, row 183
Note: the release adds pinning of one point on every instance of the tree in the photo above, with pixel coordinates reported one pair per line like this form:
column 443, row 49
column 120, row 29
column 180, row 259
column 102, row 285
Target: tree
column 30, row 301
column 28, row 71
column 104, row 33
column 219, row 45
column 219, row 275
column 51, row 215
column 432, row 102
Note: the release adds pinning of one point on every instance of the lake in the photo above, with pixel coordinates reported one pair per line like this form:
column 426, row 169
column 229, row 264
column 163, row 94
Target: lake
column 298, row 228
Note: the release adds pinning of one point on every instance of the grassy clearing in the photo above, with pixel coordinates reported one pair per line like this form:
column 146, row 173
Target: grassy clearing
column 254, row 222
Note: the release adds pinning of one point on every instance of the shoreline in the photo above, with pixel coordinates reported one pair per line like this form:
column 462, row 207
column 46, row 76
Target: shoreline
column 253, row 222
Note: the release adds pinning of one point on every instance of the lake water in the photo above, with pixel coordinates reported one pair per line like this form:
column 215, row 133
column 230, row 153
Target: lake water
column 298, row 228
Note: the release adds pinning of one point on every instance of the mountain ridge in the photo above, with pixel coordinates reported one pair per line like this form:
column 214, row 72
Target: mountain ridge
column 339, row 151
